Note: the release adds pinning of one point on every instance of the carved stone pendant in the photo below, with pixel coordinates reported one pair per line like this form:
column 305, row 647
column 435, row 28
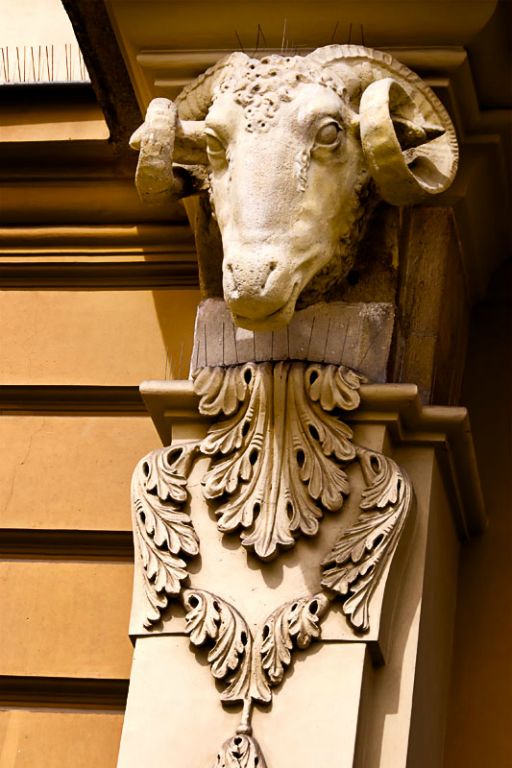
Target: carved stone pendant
column 241, row 751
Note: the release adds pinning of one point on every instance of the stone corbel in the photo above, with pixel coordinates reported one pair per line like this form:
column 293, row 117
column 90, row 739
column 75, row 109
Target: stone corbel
column 192, row 581
column 278, row 518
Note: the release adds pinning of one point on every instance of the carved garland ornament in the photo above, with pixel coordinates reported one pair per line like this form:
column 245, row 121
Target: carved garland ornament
column 278, row 452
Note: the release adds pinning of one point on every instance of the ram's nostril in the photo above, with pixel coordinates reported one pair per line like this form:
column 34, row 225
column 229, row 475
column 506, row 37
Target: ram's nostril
column 270, row 267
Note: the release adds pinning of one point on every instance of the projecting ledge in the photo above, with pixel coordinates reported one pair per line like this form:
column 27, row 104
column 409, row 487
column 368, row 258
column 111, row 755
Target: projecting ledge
column 396, row 406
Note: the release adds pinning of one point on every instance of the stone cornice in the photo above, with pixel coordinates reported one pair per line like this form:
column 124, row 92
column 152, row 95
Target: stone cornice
column 104, row 61
column 129, row 257
column 51, row 399
column 69, row 692
column 92, row 240
column 107, row 275
column 46, row 544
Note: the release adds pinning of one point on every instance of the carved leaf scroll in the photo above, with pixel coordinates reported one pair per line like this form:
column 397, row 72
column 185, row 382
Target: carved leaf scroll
column 211, row 619
column 163, row 528
column 295, row 624
column 278, row 457
column 357, row 561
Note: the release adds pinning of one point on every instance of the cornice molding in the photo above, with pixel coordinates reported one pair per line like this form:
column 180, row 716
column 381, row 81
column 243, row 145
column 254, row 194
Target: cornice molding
column 106, row 276
column 91, row 240
column 106, row 67
column 170, row 70
column 97, row 257
column 63, row 399
column 46, row 544
column 75, row 693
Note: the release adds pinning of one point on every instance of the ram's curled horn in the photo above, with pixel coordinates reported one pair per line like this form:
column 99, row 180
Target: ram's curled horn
column 405, row 162
column 155, row 141
column 408, row 139
column 163, row 140
column 173, row 134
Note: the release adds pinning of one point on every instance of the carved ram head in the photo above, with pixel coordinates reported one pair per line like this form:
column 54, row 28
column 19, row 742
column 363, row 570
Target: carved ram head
column 297, row 150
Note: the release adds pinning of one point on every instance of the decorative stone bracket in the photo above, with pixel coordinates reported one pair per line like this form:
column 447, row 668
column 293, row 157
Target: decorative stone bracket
column 268, row 458
column 278, row 454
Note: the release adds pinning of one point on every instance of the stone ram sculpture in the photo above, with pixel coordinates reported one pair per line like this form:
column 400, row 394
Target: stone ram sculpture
column 298, row 150
column 292, row 154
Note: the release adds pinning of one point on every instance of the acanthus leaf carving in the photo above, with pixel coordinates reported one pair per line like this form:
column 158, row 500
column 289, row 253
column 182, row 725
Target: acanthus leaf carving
column 248, row 668
column 278, row 456
column 296, row 623
column 333, row 387
column 221, row 389
column 277, row 460
column 210, row 618
column 357, row 561
column 163, row 528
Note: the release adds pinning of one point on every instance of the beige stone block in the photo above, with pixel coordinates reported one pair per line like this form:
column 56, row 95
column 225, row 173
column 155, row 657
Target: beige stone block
column 65, row 619
column 297, row 730
column 31, row 738
column 95, row 337
column 357, row 335
column 70, row 472
column 394, row 729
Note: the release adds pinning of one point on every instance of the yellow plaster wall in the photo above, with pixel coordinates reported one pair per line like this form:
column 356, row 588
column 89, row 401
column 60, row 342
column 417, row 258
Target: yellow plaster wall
column 70, row 472
column 52, row 739
column 67, row 473
column 65, row 618
column 95, row 337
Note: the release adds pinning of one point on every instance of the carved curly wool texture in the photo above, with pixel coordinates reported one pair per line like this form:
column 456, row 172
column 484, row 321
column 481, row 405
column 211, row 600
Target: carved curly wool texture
column 357, row 561
column 163, row 529
column 277, row 460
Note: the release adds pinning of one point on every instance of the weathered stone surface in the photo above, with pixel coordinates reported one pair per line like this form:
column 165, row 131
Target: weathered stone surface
column 356, row 335
column 298, row 150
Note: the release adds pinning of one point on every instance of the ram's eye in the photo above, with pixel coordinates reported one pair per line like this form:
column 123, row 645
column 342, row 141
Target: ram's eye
column 214, row 145
column 328, row 135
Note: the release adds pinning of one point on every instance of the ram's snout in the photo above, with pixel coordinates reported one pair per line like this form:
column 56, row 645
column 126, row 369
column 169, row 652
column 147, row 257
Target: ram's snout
column 259, row 289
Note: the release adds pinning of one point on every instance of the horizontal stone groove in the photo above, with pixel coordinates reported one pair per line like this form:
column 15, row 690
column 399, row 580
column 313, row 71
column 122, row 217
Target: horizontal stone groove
column 51, row 544
column 80, row 159
column 91, row 238
column 65, row 692
column 105, row 275
column 48, row 398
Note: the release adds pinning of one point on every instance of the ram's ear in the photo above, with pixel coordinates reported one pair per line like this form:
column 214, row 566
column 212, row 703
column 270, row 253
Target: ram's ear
column 408, row 158
column 161, row 141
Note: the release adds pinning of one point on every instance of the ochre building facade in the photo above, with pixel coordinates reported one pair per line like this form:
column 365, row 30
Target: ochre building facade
column 99, row 293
